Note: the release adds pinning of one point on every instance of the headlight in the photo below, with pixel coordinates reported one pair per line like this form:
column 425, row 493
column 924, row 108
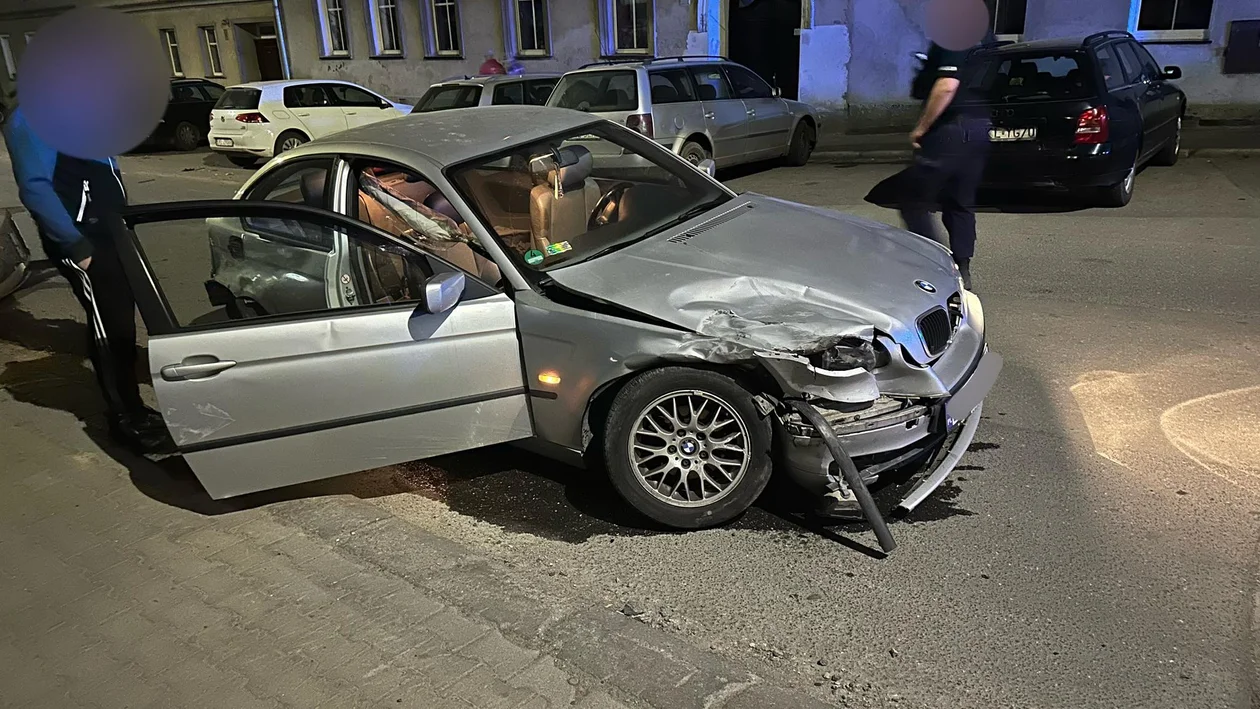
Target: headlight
column 850, row 354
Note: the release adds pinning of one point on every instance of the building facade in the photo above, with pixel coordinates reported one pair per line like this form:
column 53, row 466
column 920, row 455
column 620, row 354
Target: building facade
column 851, row 58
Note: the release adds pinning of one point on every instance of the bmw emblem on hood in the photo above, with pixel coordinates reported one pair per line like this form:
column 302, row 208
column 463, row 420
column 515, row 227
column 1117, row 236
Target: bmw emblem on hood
column 925, row 286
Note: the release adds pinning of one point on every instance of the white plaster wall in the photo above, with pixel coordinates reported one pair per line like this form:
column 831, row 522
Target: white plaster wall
column 825, row 55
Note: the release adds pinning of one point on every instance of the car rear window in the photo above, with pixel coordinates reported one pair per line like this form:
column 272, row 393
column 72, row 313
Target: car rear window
column 442, row 98
column 1031, row 77
column 238, row 99
column 597, row 91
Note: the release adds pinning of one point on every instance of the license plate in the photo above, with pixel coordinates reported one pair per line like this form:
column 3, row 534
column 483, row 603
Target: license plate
column 224, row 142
column 1008, row 135
column 966, row 399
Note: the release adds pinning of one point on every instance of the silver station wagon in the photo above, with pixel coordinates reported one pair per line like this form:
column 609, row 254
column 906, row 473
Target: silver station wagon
column 458, row 279
column 701, row 108
column 488, row 90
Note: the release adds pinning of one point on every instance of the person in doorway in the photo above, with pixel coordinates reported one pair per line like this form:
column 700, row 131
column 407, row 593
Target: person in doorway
column 72, row 201
column 951, row 143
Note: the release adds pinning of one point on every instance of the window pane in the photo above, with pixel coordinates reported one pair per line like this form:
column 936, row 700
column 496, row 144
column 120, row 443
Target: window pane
column 411, row 208
column 336, row 26
column 243, row 99
column 532, row 20
column 671, row 86
column 711, row 84
column 387, row 16
column 632, row 25
column 1156, row 14
column 212, row 92
column 441, row 98
column 747, row 84
column 510, row 94
column 1113, row 75
column 598, row 91
column 1192, row 14
column 249, row 268
column 540, row 90
column 1030, row 77
column 446, row 26
column 353, row 96
column 1129, row 62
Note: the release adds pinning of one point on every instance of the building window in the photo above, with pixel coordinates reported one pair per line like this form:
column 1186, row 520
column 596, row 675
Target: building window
column 334, row 38
column 210, row 43
column 385, row 31
column 445, row 27
column 628, row 27
column 530, row 19
column 1008, row 18
column 172, row 52
column 7, row 51
column 1171, row 20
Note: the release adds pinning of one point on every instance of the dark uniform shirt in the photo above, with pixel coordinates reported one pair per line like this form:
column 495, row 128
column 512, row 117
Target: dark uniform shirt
column 945, row 63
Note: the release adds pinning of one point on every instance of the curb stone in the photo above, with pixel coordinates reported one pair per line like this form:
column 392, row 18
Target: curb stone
column 633, row 659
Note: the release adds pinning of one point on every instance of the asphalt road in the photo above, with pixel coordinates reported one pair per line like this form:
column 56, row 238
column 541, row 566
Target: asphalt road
column 1097, row 549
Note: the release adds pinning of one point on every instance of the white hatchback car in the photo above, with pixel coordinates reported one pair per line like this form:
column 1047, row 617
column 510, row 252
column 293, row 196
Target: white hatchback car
column 264, row 119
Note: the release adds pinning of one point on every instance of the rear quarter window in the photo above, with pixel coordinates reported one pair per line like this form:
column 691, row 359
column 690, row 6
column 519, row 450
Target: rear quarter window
column 239, row 99
column 1031, row 77
column 597, row 91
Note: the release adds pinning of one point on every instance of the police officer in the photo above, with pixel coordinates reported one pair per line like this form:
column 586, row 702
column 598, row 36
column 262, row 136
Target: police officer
column 951, row 143
column 72, row 200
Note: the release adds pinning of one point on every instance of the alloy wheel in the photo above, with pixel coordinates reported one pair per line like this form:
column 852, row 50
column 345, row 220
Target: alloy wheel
column 290, row 143
column 689, row 448
column 187, row 135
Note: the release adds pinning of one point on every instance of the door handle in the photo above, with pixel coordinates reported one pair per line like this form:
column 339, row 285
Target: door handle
column 753, row 114
column 352, row 113
column 195, row 368
column 709, row 115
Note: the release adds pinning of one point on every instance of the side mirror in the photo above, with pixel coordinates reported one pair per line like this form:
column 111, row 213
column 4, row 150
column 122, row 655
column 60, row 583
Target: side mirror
column 708, row 167
column 442, row 292
column 1172, row 72
column 775, row 92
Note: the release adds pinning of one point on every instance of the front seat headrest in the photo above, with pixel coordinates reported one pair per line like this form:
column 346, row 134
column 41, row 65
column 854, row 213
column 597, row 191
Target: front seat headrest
column 313, row 188
column 576, row 162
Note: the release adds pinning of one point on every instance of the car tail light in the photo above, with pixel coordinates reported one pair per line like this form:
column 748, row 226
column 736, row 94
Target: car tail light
column 641, row 122
column 251, row 118
column 1093, row 127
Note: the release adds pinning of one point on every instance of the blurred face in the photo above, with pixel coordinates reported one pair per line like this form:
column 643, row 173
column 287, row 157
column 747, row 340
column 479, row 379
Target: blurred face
column 93, row 83
column 957, row 24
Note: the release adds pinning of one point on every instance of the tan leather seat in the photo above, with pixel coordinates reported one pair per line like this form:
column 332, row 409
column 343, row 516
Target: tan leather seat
column 555, row 220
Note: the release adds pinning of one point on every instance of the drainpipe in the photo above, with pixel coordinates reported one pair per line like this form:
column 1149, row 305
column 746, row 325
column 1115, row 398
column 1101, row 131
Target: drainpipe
column 281, row 37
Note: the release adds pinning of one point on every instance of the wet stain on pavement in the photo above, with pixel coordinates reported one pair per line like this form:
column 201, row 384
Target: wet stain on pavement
column 980, row 446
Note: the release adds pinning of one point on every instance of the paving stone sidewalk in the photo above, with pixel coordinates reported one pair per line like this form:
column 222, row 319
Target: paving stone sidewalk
column 123, row 585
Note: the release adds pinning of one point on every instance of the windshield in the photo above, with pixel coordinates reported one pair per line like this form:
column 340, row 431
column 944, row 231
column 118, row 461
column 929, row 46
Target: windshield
column 597, row 91
column 1030, row 77
column 583, row 194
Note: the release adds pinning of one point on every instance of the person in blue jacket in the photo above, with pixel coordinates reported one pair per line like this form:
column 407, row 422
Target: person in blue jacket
column 71, row 200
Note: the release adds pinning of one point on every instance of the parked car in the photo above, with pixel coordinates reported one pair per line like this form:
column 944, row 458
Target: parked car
column 187, row 118
column 264, row 119
column 15, row 257
column 471, row 277
column 1082, row 115
column 702, row 108
column 488, row 90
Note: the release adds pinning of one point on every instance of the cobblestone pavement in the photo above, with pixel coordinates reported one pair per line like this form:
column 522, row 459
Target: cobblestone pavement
column 122, row 585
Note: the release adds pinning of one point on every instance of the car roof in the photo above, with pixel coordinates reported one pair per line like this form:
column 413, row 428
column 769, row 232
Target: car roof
column 1057, row 44
column 651, row 63
column 487, row 79
column 448, row 137
column 282, row 83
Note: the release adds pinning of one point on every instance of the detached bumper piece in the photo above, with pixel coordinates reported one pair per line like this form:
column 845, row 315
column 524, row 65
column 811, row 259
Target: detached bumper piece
column 851, row 475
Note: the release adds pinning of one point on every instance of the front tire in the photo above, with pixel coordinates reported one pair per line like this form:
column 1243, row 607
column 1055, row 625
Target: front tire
column 694, row 153
column 687, row 448
column 802, row 145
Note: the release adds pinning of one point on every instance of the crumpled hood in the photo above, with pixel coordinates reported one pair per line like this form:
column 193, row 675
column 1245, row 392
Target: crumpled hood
column 765, row 274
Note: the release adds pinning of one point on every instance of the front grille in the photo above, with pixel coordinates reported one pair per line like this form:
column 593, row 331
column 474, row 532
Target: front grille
column 936, row 328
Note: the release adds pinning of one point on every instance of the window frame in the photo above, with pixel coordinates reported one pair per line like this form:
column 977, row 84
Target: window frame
column 429, row 19
column 171, row 40
column 210, row 51
column 1007, row 36
column 512, row 26
column 1170, row 35
column 6, row 52
column 323, row 14
column 1102, row 77
column 375, row 17
column 609, row 36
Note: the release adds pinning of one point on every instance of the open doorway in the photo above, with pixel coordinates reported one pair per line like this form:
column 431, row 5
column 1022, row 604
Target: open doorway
column 762, row 35
column 260, row 51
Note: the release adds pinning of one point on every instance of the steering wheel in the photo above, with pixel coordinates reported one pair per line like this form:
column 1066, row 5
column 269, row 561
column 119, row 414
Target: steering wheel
column 606, row 208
